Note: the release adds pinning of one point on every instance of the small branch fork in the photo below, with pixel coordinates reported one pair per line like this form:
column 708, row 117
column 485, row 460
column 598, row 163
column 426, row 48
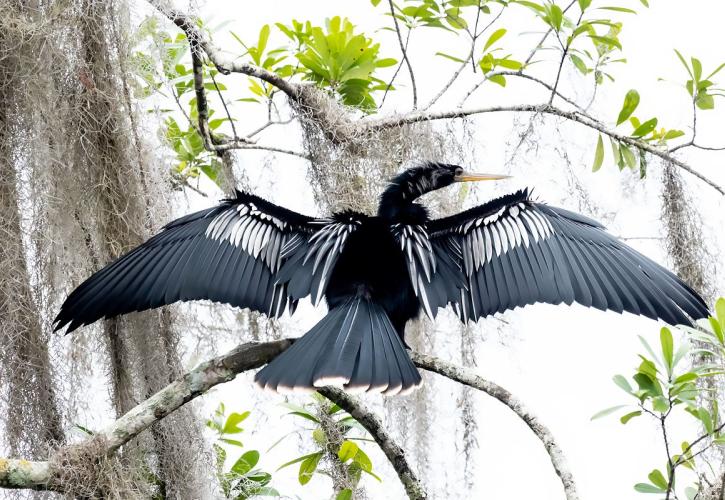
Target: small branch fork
column 39, row 475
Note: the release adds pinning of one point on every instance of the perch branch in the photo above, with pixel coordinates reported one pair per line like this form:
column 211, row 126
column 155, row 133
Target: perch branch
column 39, row 475
column 468, row 377
column 374, row 426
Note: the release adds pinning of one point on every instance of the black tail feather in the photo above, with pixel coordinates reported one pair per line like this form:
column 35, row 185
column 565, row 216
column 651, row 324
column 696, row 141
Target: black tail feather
column 355, row 346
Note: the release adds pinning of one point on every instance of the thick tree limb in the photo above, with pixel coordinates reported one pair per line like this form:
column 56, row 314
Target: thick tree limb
column 23, row 474
column 468, row 377
column 374, row 426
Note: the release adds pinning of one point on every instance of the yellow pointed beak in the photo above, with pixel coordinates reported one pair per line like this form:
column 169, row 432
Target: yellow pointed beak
column 473, row 177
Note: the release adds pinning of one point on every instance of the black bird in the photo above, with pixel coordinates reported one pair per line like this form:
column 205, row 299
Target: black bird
column 378, row 272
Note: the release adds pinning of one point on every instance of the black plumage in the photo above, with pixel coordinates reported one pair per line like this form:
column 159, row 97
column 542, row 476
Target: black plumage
column 378, row 272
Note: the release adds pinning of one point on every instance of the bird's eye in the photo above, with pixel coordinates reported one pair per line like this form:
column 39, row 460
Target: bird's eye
column 458, row 171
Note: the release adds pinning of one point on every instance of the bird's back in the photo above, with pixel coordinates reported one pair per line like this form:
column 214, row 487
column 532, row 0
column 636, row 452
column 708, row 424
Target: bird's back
column 373, row 265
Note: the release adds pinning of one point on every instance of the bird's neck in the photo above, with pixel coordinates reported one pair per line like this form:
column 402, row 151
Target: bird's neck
column 397, row 205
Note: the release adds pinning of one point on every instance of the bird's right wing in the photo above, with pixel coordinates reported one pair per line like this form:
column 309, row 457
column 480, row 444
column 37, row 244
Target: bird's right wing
column 513, row 251
column 246, row 252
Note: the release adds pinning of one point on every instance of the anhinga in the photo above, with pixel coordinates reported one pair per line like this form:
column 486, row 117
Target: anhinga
column 378, row 272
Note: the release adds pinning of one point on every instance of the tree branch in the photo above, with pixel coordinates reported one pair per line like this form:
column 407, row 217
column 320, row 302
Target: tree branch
column 468, row 377
column 583, row 119
column 23, row 474
column 374, row 426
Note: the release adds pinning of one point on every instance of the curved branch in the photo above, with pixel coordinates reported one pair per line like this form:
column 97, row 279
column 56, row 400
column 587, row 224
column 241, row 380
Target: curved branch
column 23, row 474
column 583, row 119
column 374, row 426
column 468, row 377
column 223, row 63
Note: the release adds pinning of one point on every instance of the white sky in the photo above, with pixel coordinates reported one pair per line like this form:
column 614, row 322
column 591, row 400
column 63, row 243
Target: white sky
column 558, row 360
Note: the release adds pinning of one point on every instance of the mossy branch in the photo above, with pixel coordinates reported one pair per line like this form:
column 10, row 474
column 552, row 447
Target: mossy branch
column 40, row 475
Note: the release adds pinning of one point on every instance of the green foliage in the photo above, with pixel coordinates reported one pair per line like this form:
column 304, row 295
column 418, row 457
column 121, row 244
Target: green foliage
column 701, row 89
column 240, row 480
column 348, row 452
column 339, row 59
column 664, row 382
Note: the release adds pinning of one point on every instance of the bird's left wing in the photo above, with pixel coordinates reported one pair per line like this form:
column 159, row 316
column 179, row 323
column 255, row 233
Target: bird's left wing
column 246, row 252
column 513, row 251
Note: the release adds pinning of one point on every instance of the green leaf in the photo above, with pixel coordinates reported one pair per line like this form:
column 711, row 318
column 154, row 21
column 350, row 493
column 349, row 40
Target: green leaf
column 297, row 460
column 598, row 154
column 579, row 64
column 648, row 488
column 660, row 404
column 628, row 156
column 263, row 37
column 347, row 451
column 345, row 494
column 645, row 128
column 631, row 101
column 673, row 134
column 668, row 347
column 555, row 16
column 720, row 311
column 657, row 479
column 308, row 468
column 696, row 69
column 495, row 36
column 363, row 461
column 375, row 2
column 619, row 9
column 607, row 411
column 448, row 56
column 605, row 40
column 705, row 101
column 684, row 63
column 629, row 416
column 499, row 79
column 622, row 383
column 584, row 4
column 705, row 418
column 232, row 442
column 231, row 426
column 246, row 462
column 717, row 70
column 509, row 63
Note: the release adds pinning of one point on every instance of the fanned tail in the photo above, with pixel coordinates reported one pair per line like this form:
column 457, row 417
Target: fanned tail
column 354, row 346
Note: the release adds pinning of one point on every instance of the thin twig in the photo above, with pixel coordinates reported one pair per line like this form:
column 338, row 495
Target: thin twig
column 405, row 54
column 395, row 75
column 463, row 65
column 224, row 103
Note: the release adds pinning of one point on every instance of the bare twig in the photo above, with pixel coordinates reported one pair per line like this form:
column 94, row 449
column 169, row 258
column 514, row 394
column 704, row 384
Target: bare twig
column 468, row 377
column 395, row 75
column 372, row 424
column 405, row 54
column 460, row 69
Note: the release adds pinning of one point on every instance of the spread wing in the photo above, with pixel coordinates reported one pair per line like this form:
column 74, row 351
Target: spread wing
column 246, row 252
column 513, row 251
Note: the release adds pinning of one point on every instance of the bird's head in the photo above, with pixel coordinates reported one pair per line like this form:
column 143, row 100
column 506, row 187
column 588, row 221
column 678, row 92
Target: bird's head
column 419, row 180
